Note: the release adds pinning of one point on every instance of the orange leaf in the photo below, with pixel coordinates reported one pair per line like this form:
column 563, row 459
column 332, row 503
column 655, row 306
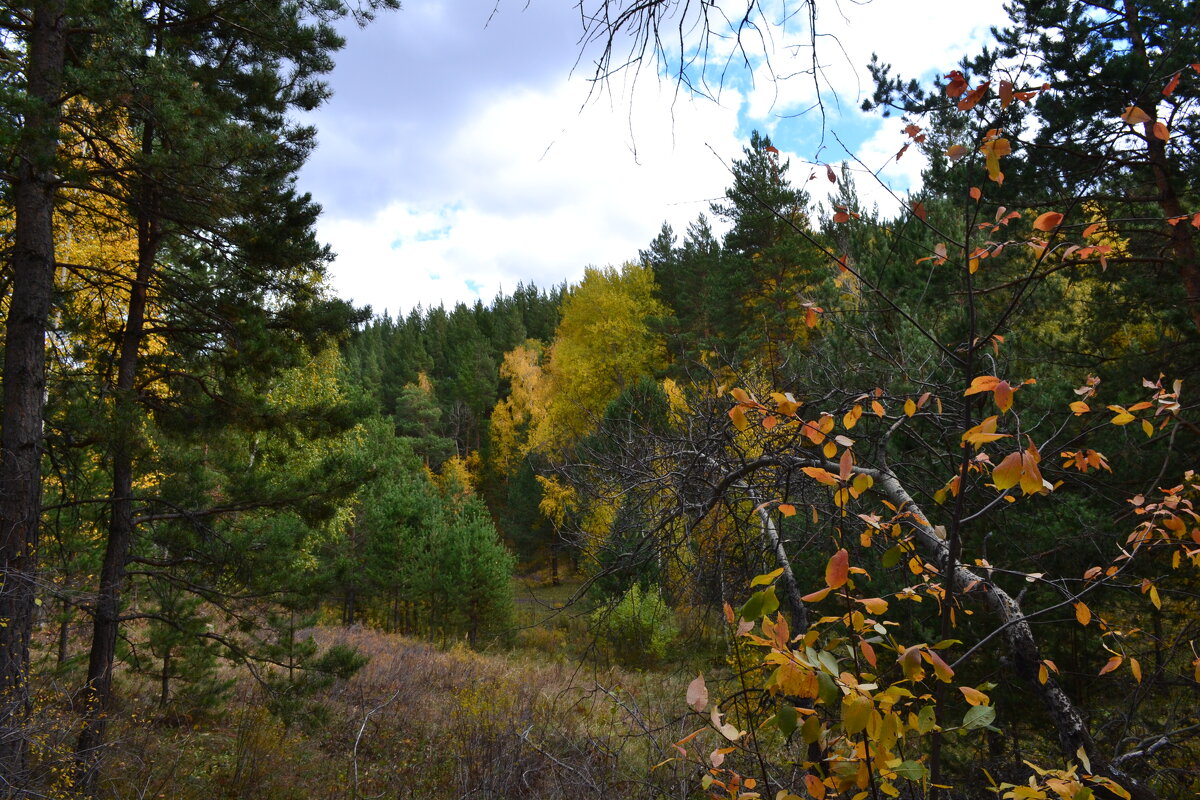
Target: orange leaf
column 1048, row 221
column 1136, row 669
column 845, row 465
column 1134, row 116
column 1112, row 664
column 1006, row 93
column 955, row 152
column 738, row 415
column 982, row 383
column 1161, row 131
column 973, row 97
column 919, row 210
column 1083, row 614
column 974, row 696
column 1004, row 395
column 837, row 570
column 1171, row 84
column 1031, row 475
column 817, row 596
column 957, row 85
column 975, row 193
column 867, row 651
column 820, row 475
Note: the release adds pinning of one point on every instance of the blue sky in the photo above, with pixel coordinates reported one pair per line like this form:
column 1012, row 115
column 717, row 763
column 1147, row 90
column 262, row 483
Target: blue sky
column 463, row 150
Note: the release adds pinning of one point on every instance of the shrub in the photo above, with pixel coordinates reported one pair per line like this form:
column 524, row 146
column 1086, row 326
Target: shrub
column 638, row 630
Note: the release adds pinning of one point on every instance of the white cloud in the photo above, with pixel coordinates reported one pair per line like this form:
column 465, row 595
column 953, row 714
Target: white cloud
column 534, row 190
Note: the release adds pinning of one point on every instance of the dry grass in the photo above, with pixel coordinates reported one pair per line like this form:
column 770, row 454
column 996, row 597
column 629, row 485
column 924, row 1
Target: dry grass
column 415, row 722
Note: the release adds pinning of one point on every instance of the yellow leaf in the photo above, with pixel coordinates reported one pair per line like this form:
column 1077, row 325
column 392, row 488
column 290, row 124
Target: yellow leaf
column 1080, row 407
column 1008, row 473
column 1136, row 669
column 1154, row 598
column 738, row 415
column 910, row 407
column 1043, row 674
column 1147, row 428
column 856, row 712
column 875, row 605
column 1134, row 116
column 992, row 152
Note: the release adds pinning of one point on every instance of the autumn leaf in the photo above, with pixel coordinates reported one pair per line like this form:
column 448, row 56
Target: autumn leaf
column 1112, row 664
column 1008, row 473
column 919, row 210
column 1161, row 131
column 1134, row 116
column 820, row 475
column 874, row 605
column 974, row 696
column 957, row 85
column 1048, row 221
column 1004, row 395
column 697, row 694
column 981, row 383
column 829, row 173
column 1171, row 84
column 1006, row 93
column 975, row 193
column 993, row 150
column 787, row 509
column 1083, row 614
column 838, row 569
column 974, row 96
column 955, row 152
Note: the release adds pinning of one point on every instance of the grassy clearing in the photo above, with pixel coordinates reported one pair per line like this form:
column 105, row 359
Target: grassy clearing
column 415, row 722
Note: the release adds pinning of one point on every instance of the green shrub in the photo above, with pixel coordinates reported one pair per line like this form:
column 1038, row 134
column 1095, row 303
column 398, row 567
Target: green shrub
column 638, row 630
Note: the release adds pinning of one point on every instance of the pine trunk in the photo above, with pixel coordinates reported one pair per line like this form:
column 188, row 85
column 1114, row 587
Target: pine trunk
column 32, row 273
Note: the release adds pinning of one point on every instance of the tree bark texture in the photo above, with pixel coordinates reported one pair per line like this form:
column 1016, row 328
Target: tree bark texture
column 32, row 269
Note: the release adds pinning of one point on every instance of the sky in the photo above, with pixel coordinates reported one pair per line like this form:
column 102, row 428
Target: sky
column 465, row 148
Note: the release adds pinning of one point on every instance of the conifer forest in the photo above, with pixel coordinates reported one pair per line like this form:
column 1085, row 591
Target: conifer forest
column 803, row 501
